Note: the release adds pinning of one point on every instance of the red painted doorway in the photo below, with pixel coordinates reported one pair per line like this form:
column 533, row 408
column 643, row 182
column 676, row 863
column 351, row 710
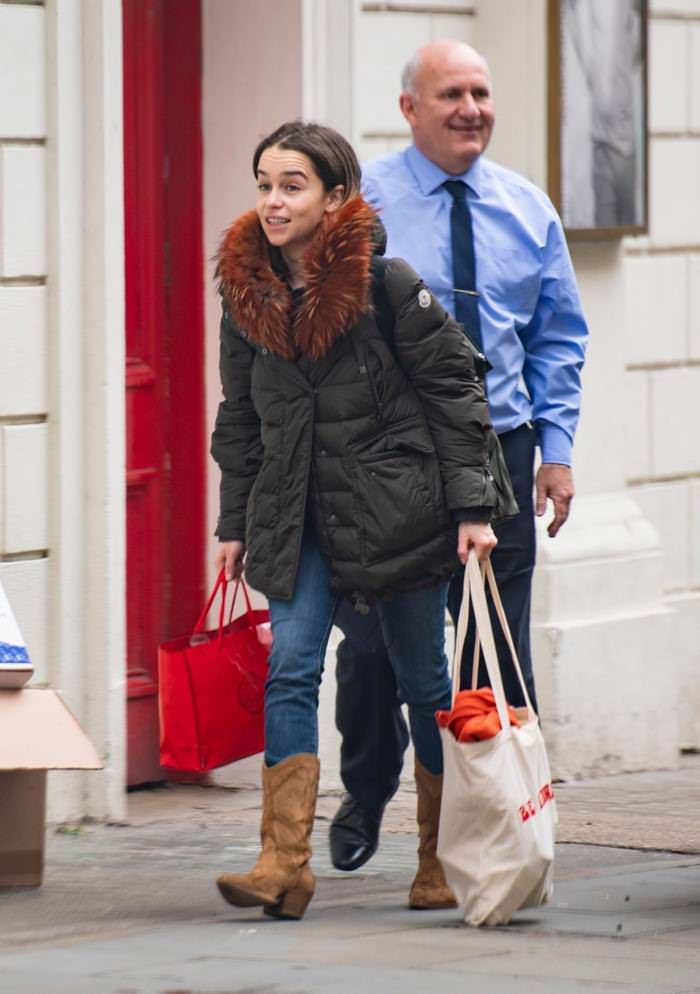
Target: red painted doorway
column 165, row 470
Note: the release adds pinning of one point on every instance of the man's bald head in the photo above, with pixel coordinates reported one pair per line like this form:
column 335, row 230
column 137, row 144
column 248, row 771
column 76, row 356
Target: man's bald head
column 440, row 53
column 447, row 101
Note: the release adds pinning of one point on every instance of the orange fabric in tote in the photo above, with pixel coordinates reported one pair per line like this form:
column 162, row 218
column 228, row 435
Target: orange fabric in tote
column 474, row 716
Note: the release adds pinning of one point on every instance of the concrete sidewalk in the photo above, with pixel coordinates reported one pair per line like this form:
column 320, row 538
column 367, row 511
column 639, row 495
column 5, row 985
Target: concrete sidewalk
column 132, row 909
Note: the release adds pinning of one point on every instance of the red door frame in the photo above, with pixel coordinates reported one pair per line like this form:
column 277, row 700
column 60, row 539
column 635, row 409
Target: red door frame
column 165, row 400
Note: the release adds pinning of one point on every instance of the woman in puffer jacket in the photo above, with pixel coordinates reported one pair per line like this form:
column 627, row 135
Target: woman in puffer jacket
column 357, row 460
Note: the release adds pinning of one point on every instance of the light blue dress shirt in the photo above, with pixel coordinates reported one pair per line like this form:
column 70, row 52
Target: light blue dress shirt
column 532, row 327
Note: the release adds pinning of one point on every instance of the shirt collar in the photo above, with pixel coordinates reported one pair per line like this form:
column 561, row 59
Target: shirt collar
column 430, row 176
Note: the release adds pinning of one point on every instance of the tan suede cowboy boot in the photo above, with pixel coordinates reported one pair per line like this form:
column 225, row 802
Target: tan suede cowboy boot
column 281, row 880
column 429, row 888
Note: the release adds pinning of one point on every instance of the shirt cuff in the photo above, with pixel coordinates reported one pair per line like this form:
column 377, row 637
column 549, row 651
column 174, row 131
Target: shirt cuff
column 555, row 444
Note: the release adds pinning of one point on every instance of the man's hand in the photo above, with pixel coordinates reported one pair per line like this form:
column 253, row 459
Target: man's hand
column 229, row 558
column 479, row 537
column 556, row 482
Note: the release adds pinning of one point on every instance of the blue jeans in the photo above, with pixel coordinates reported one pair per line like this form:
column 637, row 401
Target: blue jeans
column 413, row 626
column 372, row 751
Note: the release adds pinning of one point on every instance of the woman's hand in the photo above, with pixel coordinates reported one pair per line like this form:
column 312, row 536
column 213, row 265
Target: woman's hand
column 477, row 536
column 229, row 558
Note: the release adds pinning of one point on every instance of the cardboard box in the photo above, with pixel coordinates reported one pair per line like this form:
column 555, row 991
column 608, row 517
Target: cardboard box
column 22, row 817
column 39, row 733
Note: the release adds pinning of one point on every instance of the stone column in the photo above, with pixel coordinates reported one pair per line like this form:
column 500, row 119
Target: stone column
column 86, row 383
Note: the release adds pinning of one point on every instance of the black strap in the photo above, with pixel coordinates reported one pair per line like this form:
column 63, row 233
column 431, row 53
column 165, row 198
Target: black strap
column 382, row 307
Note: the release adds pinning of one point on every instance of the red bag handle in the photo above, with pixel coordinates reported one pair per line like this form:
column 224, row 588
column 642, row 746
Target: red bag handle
column 248, row 606
column 222, row 582
column 203, row 616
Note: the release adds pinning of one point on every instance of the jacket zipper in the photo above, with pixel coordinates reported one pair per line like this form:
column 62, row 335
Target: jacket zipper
column 378, row 401
column 300, row 537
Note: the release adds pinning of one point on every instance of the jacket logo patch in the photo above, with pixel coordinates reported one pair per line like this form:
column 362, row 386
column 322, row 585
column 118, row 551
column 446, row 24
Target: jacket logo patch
column 424, row 299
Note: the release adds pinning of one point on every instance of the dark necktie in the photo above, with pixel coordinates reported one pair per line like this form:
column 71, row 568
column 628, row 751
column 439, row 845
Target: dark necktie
column 463, row 261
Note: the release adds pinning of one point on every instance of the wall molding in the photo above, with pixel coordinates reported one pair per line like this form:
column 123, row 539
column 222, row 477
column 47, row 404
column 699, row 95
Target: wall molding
column 654, row 367
column 24, row 557
column 22, row 281
column 644, row 481
column 680, row 15
column 654, row 250
column 436, row 9
column 22, row 419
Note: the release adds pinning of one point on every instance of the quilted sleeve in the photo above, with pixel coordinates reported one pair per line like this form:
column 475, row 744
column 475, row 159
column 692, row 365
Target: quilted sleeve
column 235, row 443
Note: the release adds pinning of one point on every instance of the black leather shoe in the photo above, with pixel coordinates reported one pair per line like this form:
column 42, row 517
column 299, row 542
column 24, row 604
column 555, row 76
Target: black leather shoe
column 354, row 834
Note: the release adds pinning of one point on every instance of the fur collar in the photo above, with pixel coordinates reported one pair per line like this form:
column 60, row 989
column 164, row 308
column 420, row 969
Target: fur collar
column 337, row 280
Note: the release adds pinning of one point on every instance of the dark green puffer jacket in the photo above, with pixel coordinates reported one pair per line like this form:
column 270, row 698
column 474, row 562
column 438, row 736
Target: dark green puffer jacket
column 378, row 443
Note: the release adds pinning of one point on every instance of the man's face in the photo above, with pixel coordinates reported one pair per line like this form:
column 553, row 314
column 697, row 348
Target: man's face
column 452, row 113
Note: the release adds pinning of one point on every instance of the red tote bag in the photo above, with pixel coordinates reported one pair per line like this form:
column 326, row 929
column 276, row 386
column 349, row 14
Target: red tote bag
column 212, row 688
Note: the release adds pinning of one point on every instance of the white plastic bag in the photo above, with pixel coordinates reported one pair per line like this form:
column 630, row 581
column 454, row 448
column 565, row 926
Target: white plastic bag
column 15, row 665
column 498, row 814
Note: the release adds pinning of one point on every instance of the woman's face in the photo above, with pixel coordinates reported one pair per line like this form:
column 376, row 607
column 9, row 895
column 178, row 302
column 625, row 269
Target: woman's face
column 292, row 200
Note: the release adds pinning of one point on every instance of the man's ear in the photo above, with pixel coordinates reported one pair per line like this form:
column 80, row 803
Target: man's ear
column 407, row 106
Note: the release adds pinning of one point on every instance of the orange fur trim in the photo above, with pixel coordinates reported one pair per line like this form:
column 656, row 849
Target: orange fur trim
column 336, row 281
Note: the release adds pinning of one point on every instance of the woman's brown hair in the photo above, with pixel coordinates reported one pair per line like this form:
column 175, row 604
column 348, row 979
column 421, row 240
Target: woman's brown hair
column 332, row 155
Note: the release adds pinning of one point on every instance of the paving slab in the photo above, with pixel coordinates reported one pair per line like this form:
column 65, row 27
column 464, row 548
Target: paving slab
column 132, row 908
column 651, row 810
column 346, row 950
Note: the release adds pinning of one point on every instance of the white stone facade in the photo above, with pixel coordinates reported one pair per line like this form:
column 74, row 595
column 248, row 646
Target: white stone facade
column 615, row 654
column 62, row 370
column 662, row 350
column 617, row 599
column 23, row 370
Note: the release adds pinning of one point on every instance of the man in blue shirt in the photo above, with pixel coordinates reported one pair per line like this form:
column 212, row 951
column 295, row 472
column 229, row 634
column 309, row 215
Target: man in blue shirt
column 533, row 333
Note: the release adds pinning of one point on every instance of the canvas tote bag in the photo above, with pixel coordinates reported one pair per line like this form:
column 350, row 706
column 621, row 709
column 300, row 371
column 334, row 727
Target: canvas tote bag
column 498, row 814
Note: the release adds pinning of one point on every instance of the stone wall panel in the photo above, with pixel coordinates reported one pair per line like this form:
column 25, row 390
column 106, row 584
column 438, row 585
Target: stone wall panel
column 22, row 71
column 668, row 74
column 22, row 211
column 23, row 342
column 674, row 171
column 637, row 417
column 23, row 488
column 667, row 506
column 656, row 308
column 675, row 399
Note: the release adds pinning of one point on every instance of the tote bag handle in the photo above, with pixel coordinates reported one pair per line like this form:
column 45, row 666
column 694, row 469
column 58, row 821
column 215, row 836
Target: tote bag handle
column 222, row 583
column 474, row 589
column 501, row 614
column 488, row 574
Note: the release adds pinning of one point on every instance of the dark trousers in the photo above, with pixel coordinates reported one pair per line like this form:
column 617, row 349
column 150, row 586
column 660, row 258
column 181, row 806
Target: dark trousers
column 368, row 710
